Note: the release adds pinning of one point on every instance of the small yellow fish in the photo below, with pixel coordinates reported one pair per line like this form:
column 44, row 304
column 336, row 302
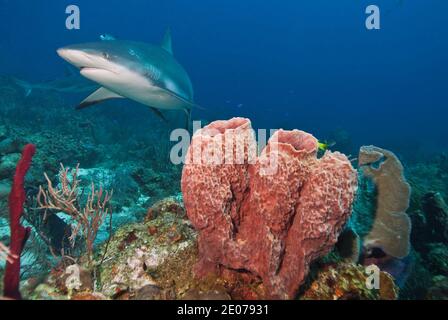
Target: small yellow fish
column 324, row 145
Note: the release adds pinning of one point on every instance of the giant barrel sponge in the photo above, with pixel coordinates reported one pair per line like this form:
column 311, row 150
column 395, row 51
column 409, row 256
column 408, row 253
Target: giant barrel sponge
column 270, row 215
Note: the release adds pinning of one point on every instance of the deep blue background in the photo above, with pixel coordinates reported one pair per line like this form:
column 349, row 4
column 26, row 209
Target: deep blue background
column 308, row 64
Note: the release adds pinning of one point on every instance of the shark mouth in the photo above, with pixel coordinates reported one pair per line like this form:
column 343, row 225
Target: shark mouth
column 87, row 69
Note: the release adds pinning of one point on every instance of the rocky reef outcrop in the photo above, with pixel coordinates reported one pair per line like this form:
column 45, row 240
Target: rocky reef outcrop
column 150, row 260
column 346, row 281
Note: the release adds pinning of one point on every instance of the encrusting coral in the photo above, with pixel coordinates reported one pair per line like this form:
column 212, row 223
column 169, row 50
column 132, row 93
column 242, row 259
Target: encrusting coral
column 270, row 215
column 346, row 281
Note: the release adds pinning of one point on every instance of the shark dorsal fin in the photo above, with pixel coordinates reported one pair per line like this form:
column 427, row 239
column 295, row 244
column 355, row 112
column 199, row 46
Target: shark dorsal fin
column 166, row 42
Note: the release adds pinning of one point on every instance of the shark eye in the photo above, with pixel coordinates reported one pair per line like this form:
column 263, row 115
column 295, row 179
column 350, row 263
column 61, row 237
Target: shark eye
column 106, row 55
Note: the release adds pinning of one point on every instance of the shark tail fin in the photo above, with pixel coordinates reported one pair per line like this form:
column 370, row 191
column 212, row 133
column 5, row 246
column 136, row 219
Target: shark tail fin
column 27, row 87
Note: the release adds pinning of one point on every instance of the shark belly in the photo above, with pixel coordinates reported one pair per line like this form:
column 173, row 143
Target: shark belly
column 160, row 99
column 135, row 87
column 151, row 96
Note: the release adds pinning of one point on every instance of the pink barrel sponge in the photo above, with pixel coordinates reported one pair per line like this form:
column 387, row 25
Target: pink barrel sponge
column 270, row 215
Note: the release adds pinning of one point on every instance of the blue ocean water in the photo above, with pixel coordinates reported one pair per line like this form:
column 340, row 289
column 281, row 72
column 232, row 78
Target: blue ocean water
column 305, row 64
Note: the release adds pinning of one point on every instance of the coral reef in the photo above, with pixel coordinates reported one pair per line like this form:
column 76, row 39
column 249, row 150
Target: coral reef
column 19, row 234
column 418, row 281
column 247, row 238
column 439, row 288
column 271, row 215
column 437, row 258
column 144, row 261
column 427, row 211
column 436, row 213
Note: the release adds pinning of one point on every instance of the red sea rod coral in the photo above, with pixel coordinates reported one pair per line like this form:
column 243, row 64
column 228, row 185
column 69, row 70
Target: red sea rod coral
column 19, row 234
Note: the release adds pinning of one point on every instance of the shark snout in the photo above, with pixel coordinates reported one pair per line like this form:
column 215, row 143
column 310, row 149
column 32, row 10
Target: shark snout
column 78, row 58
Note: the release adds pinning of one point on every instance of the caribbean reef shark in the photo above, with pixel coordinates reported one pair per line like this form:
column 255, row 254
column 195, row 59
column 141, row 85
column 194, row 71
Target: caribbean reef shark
column 72, row 83
column 148, row 74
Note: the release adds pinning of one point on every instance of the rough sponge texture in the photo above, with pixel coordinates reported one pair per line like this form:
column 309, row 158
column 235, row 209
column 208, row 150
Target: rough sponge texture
column 270, row 215
column 392, row 227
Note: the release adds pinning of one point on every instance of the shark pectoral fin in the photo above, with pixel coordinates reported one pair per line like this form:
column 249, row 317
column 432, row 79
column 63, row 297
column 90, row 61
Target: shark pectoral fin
column 158, row 113
column 166, row 42
column 100, row 95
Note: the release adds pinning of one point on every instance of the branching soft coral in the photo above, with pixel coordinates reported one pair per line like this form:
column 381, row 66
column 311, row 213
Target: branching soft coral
column 5, row 254
column 64, row 198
